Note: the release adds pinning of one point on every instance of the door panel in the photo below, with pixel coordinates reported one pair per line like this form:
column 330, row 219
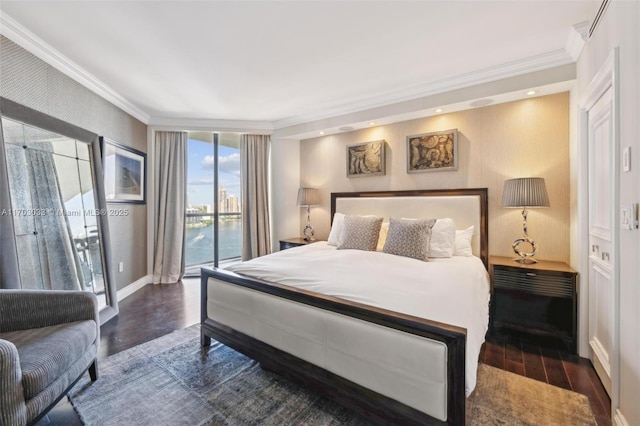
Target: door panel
column 601, row 213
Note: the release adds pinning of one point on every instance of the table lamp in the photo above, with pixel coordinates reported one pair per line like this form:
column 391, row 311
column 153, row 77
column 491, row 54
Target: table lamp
column 525, row 193
column 308, row 197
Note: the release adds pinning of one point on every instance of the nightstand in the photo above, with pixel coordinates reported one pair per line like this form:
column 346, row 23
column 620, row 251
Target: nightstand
column 294, row 242
column 536, row 299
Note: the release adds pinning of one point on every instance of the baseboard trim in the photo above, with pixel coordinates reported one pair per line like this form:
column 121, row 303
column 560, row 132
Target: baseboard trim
column 127, row 291
column 619, row 419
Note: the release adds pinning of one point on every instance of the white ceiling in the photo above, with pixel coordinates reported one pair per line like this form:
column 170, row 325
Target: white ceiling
column 287, row 62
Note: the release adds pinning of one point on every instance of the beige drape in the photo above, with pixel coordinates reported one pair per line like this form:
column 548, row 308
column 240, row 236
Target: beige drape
column 254, row 157
column 170, row 167
column 9, row 272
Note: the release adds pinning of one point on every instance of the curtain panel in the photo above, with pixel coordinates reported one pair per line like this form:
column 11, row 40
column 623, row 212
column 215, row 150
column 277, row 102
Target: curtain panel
column 59, row 260
column 170, row 165
column 9, row 272
column 256, row 232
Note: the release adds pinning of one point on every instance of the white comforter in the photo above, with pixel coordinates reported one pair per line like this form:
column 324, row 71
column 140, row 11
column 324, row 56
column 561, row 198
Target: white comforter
column 453, row 291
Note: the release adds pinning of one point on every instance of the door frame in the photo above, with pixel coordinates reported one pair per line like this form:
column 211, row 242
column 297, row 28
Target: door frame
column 606, row 77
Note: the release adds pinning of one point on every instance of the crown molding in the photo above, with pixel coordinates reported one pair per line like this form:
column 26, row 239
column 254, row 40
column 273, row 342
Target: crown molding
column 240, row 126
column 32, row 43
column 576, row 40
column 11, row 29
column 510, row 69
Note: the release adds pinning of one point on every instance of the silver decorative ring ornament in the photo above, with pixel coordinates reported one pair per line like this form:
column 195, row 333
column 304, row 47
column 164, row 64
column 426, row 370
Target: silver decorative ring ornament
column 525, row 257
column 308, row 232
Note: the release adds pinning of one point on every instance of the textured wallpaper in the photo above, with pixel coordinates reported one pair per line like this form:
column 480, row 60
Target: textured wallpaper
column 516, row 139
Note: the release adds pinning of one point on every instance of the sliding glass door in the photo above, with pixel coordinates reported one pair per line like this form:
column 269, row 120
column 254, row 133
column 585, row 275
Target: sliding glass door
column 213, row 226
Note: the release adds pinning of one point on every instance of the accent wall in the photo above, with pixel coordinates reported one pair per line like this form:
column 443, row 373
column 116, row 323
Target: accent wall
column 497, row 142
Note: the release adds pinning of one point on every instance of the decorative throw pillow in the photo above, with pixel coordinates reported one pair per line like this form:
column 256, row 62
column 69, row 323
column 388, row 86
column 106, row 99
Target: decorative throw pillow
column 409, row 238
column 336, row 229
column 384, row 230
column 463, row 242
column 360, row 232
column 443, row 238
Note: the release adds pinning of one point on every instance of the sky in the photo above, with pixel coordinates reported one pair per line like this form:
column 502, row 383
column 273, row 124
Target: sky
column 200, row 171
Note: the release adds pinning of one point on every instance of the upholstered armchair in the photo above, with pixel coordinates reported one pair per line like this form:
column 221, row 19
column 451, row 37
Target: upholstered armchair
column 48, row 340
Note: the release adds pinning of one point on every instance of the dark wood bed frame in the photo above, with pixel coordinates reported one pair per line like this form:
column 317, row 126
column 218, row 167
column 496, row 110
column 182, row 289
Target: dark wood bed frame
column 376, row 407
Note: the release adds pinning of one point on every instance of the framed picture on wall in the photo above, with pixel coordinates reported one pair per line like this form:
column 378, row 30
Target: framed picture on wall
column 125, row 171
column 432, row 152
column 366, row 159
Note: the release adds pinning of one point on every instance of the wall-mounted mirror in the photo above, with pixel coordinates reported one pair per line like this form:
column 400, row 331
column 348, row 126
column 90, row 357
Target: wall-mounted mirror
column 56, row 203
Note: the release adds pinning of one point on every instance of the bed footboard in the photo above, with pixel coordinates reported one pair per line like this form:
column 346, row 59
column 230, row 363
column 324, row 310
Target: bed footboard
column 231, row 327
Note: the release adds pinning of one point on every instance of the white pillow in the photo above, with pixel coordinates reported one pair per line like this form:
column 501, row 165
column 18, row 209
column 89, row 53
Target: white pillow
column 336, row 229
column 463, row 242
column 382, row 238
column 443, row 237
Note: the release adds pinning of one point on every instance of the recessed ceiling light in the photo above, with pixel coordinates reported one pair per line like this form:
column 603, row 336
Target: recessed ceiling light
column 322, row 133
column 531, row 92
column 439, row 110
column 372, row 123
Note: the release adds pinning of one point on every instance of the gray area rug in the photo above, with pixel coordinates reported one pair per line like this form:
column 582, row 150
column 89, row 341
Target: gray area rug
column 171, row 381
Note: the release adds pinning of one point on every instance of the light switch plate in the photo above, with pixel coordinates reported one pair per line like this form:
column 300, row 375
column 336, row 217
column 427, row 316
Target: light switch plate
column 626, row 219
column 626, row 159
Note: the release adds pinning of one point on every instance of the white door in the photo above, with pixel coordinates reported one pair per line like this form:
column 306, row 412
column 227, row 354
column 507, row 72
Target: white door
column 601, row 219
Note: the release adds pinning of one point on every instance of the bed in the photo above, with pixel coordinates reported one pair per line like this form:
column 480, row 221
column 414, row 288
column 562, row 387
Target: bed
column 394, row 359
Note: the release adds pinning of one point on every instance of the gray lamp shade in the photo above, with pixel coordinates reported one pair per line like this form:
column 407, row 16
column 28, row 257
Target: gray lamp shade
column 525, row 192
column 308, row 197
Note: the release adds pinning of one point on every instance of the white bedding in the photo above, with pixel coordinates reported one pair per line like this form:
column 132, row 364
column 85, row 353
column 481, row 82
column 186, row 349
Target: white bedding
column 452, row 290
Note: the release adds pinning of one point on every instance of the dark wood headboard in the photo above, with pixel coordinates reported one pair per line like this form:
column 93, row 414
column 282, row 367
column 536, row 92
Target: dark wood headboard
column 480, row 193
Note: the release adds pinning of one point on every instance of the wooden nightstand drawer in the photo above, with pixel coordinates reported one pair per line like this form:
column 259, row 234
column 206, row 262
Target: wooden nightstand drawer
column 538, row 299
column 534, row 282
column 293, row 242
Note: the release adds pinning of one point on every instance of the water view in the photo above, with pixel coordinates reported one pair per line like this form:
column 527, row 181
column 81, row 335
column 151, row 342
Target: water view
column 199, row 242
column 212, row 155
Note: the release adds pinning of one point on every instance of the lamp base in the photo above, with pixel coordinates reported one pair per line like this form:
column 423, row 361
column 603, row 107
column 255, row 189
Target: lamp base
column 525, row 260
column 308, row 233
column 525, row 257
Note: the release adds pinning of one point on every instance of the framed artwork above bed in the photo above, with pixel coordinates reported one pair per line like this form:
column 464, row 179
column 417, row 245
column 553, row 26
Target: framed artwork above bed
column 432, row 152
column 366, row 159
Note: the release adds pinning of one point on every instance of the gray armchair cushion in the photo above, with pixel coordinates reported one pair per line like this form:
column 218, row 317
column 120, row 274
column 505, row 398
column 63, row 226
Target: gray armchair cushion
column 47, row 340
column 40, row 402
column 12, row 407
column 25, row 309
column 46, row 353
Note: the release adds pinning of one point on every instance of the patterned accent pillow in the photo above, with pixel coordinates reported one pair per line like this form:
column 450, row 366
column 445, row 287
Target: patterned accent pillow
column 409, row 238
column 360, row 232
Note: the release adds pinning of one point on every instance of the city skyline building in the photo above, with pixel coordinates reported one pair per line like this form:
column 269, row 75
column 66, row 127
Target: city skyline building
column 228, row 203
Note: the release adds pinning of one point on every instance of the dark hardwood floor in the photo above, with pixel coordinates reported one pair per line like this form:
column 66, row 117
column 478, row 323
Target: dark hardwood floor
column 154, row 311
column 549, row 361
